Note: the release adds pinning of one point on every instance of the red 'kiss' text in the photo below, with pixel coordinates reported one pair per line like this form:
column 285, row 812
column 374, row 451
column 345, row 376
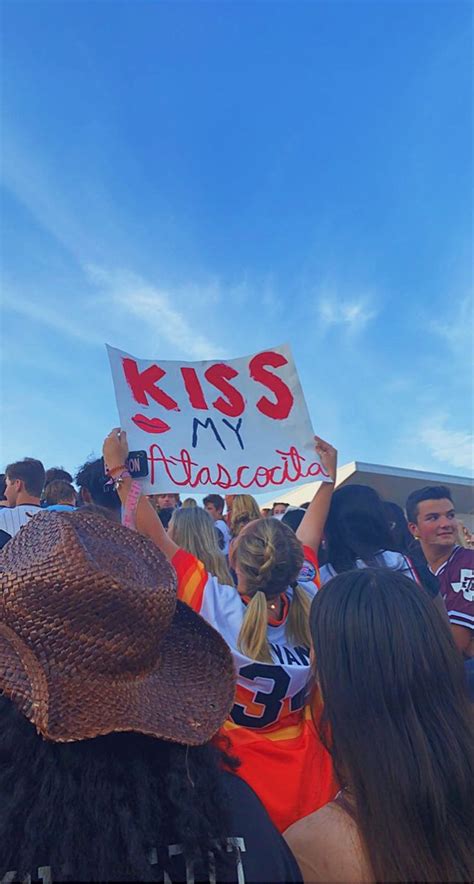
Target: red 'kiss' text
column 224, row 379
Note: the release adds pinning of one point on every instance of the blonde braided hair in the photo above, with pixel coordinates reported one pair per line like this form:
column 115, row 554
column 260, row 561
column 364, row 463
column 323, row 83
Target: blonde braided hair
column 269, row 557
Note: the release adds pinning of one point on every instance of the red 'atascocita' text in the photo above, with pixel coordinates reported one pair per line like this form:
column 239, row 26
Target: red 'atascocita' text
column 182, row 471
column 224, row 379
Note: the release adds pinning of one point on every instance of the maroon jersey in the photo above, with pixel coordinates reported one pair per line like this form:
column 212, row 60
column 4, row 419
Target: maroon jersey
column 456, row 585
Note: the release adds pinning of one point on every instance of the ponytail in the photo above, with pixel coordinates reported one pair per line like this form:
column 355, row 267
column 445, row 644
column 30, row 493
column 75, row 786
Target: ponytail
column 297, row 625
column 252, row 639
column 269, row 557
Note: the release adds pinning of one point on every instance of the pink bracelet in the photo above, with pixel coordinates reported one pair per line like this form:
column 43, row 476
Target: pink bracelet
column 116, row 481
column 130, row 509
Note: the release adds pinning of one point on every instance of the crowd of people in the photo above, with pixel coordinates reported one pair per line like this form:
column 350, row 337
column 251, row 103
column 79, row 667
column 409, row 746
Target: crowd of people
column 223, row 692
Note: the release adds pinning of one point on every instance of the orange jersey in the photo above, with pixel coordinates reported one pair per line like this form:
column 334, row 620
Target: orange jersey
column 270, row 727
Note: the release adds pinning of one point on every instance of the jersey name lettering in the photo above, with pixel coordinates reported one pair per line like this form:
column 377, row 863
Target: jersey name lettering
column 286, row 656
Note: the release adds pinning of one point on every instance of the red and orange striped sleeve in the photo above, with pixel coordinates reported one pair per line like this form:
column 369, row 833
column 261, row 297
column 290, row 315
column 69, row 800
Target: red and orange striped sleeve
column 310, row 569
column 192, row 578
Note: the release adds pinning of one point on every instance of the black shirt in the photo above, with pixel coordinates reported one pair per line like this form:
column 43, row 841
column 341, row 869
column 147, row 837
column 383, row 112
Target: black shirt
column 428, row 580
column 267, row 856
column 256, row 852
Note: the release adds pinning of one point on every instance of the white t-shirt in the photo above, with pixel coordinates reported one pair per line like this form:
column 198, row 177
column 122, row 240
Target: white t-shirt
column 384, row 559
column 226, row 534
column 13, row 518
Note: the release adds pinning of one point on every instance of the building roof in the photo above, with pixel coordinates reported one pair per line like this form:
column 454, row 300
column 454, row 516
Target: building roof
column 392, row 483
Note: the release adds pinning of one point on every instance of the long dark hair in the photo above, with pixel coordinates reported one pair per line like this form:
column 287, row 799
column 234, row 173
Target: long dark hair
column 93, row 810
column 402, row 540
column 356, row 527
column 397, row 723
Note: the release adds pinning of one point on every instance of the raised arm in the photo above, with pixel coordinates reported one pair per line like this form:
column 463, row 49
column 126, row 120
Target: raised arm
column 115, row 451
column 312, row 525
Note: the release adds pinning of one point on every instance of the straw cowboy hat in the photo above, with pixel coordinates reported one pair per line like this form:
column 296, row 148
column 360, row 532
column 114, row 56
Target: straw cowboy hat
column 93, row 640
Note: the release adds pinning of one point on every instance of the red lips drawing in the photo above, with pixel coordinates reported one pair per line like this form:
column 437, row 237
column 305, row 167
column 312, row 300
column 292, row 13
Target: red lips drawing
column 150, row 425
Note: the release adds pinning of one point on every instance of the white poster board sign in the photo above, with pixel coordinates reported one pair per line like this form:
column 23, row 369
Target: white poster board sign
column 236, row 426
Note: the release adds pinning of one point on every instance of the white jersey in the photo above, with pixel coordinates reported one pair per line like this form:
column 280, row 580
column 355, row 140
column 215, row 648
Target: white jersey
column 266, row 692
column 386, row 558
column 13, row 518
column 270, row 727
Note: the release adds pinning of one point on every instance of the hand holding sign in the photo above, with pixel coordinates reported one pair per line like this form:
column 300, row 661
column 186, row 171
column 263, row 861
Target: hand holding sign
column 242, row 425
column 115, row 449
column 328, row 456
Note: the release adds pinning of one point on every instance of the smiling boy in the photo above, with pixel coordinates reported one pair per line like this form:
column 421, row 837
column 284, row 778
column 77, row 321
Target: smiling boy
column 432, row 520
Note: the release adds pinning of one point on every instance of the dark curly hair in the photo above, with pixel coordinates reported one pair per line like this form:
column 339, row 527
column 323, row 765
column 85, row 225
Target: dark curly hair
column 93, row 810
column 91, row 476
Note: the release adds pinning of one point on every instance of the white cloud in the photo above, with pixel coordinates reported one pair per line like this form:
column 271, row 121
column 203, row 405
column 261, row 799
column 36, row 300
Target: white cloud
column 456, row 327
column 157, row 309
column 124, row 296
column 53, row 317
column 398, row 384
column 448, row 446
column 164, row 315
column 36, row 184
column 353, row 314
column 271, row 301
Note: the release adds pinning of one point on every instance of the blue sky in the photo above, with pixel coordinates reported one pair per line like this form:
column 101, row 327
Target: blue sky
column 185, row 180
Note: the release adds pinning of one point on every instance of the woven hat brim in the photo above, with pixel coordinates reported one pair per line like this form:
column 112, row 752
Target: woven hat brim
column 185, row 698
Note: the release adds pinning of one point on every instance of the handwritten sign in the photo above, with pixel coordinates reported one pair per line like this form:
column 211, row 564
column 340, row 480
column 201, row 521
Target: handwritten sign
column 240, row 426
